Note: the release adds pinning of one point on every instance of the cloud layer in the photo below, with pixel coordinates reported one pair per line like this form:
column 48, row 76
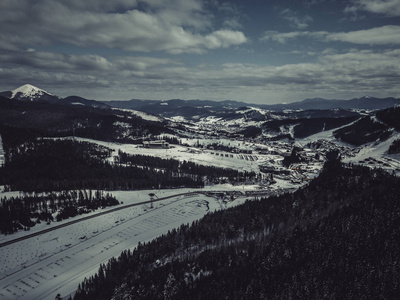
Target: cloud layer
column 214, row 49
column 384, row 7
column 385, row 35
column 175, row 26
column 355, row 71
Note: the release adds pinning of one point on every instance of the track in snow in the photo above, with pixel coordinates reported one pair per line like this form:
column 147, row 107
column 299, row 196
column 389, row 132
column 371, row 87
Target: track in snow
column 57, row 261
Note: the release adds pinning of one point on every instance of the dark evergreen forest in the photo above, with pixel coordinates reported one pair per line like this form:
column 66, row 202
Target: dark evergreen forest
column 394, row 147
column 22, row 121
column 336, row 238
column 390, row 116
column 24, row 212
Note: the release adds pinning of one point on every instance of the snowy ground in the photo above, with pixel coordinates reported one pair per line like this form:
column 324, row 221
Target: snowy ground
column 56, row 262
column 237, row 161
column 374, row 155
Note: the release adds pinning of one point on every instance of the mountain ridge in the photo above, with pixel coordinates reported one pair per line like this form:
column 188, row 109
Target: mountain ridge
column 156, row 106
column 29, row 92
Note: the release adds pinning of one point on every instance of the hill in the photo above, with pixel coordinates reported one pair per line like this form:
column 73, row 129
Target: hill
column 335, row 238
column 25, row 120
column 30, row 93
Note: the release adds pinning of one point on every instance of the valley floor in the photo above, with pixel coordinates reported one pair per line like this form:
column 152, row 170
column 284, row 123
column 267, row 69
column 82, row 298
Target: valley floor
column 56, row 262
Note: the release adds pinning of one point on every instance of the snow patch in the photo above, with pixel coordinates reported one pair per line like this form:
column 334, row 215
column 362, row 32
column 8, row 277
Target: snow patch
column 140, row 114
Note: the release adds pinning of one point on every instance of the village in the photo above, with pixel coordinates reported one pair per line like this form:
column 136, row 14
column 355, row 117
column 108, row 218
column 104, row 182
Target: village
column 265, row 159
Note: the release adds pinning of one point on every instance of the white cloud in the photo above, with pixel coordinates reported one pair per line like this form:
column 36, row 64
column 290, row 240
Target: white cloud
column 332, row 74
column 175, row 26
column 385, row 7
column 385, row 35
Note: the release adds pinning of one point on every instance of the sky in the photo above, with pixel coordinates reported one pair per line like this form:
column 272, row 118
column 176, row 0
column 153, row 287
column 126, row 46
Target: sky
column 257, row 51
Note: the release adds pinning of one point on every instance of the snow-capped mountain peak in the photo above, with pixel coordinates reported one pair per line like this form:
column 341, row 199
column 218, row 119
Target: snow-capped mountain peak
column 30, row 92
column 366, row 97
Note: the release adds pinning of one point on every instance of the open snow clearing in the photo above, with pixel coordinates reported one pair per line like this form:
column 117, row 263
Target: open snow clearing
column 55, row 262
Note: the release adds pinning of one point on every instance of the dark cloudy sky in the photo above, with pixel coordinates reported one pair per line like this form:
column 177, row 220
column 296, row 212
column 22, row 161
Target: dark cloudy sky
column 259, row 51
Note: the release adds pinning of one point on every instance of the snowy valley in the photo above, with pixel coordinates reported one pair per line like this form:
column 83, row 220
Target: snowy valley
column 265, row 152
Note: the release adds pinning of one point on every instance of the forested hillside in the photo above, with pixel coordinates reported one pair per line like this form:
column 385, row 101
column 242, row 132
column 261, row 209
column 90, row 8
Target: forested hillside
column 336, row 238
column 64, row 164
column 363, row 131
column 390, row 116
column 24, row 212
column 23, row 121
column 306, row 127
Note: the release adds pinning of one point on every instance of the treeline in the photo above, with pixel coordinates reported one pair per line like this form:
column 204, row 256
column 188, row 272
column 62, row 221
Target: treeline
column 184, row 168
column 56, row 165
column 394, row 147
column 148, row 161
column 337, row 238
column 221, row 147
column 390, row 116
column 214, row 173
column 24, row 212
column 18, row 118
column 251, row 132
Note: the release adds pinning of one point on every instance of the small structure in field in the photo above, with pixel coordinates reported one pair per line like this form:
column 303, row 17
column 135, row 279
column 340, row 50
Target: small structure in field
column 161, row 144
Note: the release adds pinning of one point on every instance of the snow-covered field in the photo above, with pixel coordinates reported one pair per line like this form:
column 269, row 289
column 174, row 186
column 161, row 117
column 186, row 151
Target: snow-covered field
column 237, row 161
column 56, row 262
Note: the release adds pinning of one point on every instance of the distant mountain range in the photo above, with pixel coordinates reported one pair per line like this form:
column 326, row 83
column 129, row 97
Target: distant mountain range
column 365, row 102
column 227, row 108
column 176, row 107
column 168, row 107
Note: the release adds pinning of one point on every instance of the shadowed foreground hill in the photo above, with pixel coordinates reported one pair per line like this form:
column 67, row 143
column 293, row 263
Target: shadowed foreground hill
column 337, row 238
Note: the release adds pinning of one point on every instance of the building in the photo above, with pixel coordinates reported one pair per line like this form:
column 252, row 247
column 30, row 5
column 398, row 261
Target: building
column 161, row 144
column 274, row 170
